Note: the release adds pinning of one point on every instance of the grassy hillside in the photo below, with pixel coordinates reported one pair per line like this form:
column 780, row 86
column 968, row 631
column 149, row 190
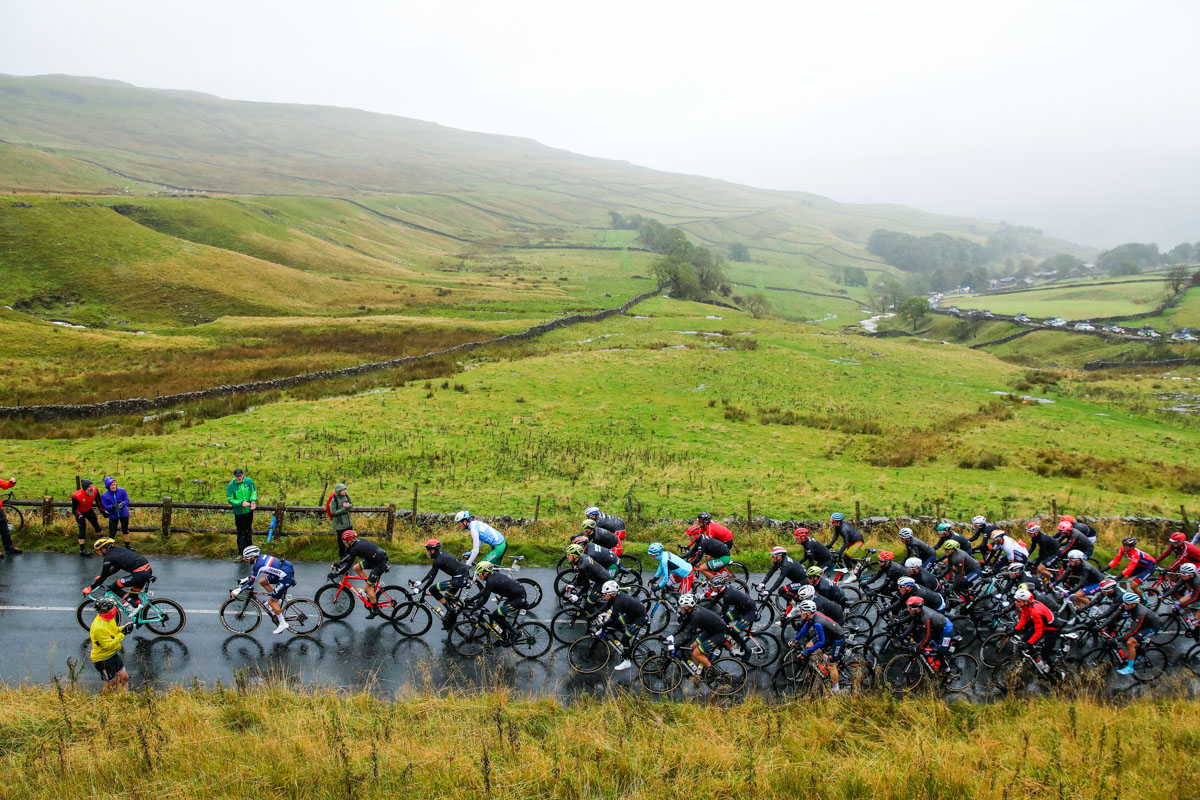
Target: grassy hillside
column 1074, row 301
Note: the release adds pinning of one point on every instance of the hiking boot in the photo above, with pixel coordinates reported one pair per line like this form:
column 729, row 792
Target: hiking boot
column 14, row 550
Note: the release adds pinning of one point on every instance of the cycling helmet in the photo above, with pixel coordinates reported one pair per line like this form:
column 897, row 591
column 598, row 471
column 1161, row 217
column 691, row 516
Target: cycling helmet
column 433, row 544
column 484, row 567
column 1015, row 568
column 1187, row 569
column 886, row 556
column 250, row 552
column 805, row 592
column 1022, row 594
column 694, row 530
column 1129, row 541
column 105, row 605
column 807, row 607
column 916, row 601
column 905, row 581
column 952, row 544
column 996, row 536
column 905, row 533
column 610, row 587
column 1033, row 527
column 944, row 526
column 580, row 540
column 103, row 542
column 687, row 600
column 654, row 550
column 718, row 582
column 912, row 563
column 815, row 572
column 1178, row 537
column 574, row 550
column 588, row 525
column 778, row 551
column 704, row 517
column 1075, row 555
column 979, row 520
column 800, row 534
column 348, row 536
column 1067, row 518
column 1130, row 597
column 1065, row 526
column 591, row 512
column 837, row 516
column 462, row 515
column 1107, row 584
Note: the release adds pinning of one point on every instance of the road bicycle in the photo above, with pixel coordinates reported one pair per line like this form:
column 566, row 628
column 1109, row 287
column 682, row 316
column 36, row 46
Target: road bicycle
column 160, row 616
column 533, row 589
column 336, row 598
column 593, row 652
column 478, row 633
column 930, row 670
column 1109, row 656
column 242, row 614
column 805, row 675
column 662, row 673
column 16, row 520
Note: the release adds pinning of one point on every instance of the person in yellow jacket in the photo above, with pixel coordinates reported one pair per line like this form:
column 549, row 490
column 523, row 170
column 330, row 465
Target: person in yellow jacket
column 106, row 646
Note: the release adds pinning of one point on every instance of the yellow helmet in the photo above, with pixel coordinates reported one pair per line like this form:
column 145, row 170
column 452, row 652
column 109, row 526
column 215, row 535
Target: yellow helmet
column 103, row 542
column 574, row 550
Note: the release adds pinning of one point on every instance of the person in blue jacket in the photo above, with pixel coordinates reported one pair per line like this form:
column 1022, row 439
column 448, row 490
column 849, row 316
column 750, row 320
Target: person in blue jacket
column 115, row 502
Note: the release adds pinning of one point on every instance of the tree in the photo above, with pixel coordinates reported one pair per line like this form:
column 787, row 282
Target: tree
column 1181, row 253
column 887, row 294
column 1126, row 267
column 1142, row 255
column 977, row 279
column 854, row 276
column 739, row 252
column 757, row 304
column 914, row 309
column 1178, row 278
column 679, row 276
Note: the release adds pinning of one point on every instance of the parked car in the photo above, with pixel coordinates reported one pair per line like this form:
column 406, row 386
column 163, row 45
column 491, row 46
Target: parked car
column 1149, row 333
column 1022, row 318
column 1057, row 322
column 1084, row 326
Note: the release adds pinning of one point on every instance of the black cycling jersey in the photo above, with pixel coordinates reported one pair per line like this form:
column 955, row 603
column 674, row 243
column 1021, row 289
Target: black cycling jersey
column 789, row 572
column 119, row 559
column 1087, row 530
column 710, row 547
column 1185, row 587
column 829, row 608
column 626, row 610
column 699, row 621
column 829, row 589
column 734, row 599
column 923, row 578
column 959, row 564
column 1139, row 618
column 964, row 543
column 1108, row 599
column 847, row 534
column 915, row 548
column 589, row 572
column 985, row 531
column 817, row 554
column 886, row 577
column 926, row 628
column 1046, row 545
column 603, row 556
column 370, row 553
column 448, row 564
column 610, row 523
column 1076, row 540
column 1077, row 576
column 932, row 599
column 501, row 585
column 604, row 538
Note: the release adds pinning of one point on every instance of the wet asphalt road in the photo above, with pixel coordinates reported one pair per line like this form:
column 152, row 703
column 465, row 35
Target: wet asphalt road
column 39, row 633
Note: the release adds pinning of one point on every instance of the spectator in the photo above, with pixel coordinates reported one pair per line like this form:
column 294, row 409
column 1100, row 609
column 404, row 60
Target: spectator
column 5, row 535
column 83, row 504
column 243, row 499
column 115, row 502
column 338, row 508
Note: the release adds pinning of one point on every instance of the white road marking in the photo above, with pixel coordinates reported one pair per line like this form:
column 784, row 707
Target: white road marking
column 72, row 608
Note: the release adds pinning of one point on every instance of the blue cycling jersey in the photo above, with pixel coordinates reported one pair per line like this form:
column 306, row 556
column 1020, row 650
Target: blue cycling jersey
column 671, row 564
column 275, row 569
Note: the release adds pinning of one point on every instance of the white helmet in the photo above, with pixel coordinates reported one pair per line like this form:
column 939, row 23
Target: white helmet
column 587, row 512
column 912, row 563
column 687, row 600
column 904, row 533
column 1022, row 594
column 1075, row 555
column 250, row 552
column 460, row 516
column 610, row 587
column 906, row 581
column 979, row 519
column 807, row 607
column 806, row 592
column 1188, row 569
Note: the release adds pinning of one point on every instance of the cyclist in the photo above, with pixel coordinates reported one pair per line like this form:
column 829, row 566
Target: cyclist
column 701, row 626
column 826, row 635
column 603, row 556
column 914, row 569
column 509, row 589
column 789, row 571
column 983, row 531
column 442, row 591
column 715, row 530
column 590, row 577
column 1183, row 551
column 371, row 557
column 607, row 522
column 815, row 553
column 850, row 536
column 1106, row 598
column 915, row 548
column 825, row 587
column 946, row 535
column 906, row 587
column 799, row 592
column 887, row 574
column 961, row 567
column 707, row 554
column 1143, row 623
column 1071, row 538
column 671, row 568
column 482, row 532
column 1045, row 627
column 1140, row 567
column 1001, row 545
column 626, row 616
column 1081, row 578
column 273, row 574
column 739, row 611
column 1186, row 590
column 120, row 559
column 928, row 628
column 602, row 536
column 1008, row 580
column 5, row 535
column 106, row 638
column 84, row 504
column 1047, row 548
column 1087, row 530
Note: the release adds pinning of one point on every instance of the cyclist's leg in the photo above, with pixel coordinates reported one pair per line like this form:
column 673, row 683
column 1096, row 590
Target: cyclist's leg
column 701, row 649
column 496, row 553
column 373, row 581
column 505, row 611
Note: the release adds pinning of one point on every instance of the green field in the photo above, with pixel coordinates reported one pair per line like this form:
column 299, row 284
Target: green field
column 1072, row 302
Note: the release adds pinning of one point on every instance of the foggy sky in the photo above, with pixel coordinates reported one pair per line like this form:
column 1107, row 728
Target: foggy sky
column 1080, row 118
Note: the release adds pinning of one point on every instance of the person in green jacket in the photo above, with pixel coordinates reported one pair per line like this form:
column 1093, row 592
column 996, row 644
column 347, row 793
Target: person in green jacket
column 106, row 637
column 243, row 499
column 338, row 508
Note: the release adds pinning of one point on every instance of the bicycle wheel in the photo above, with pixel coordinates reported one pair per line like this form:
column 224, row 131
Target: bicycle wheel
column 904, row 673
column 468, row 638
column 1150, row 664
column 739, row 571
column 240, row 615
column 412, row 619
column 533, row 640
column 660, row 674
column 86, row 612
column 766, row 616
column 303, row 616
column 1172, row 626
column 1191, row 659
column 658, row 616
column 589, row 654
column 762, row 650
column 965, row 630
column 647, row 647
column 163, row 617
column 858, row 626
column 632, row 563
column 726, row 676
column 569, row 625
column 16, row 520
column 628, row 578
column 561, row 581
column 533, row 591
column 389, row 598
column 998, row 649
column 964, row 671
column 335, row 601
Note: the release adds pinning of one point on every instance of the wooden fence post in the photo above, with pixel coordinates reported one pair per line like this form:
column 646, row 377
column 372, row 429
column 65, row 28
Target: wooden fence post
column 166, row 518
column 537, row 509
column 78, row 485
column 857, row 514
column 391, row 520
column 47, row 511
column 749, row 515
column 1054, row 510
column 414, row 516
column 1183, row 516
column 280, row 509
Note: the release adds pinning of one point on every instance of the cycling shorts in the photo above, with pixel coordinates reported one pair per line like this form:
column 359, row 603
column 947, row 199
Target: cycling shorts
column 682, row 585
column 1142, row 572
column 281, row 590
column 451, row 585
column 375, row 569
column 947, row 635
column 738, row 622
column 707, row 644
column 834, row 650
column 510, row 607
column 629, row 626
column 109, row 667
column 1090, row 589
column 716, row 564
column 496, row 553
column 135, row 581
column 853, row 550
column 1047, row 561
column 1144, row 634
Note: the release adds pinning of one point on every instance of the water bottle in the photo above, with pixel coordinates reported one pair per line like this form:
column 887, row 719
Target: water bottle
column 440, row 610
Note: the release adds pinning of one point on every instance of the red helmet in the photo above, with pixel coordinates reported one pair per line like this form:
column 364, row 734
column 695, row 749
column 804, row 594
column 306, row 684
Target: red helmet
column 349, row 536
column 1067, row 518
column 1065, row 526
column 694, row 531
column 801, row 534
column 432, row 544
column 887, row 555
column 1178, row 537
column 915, row 601
column 580, row 540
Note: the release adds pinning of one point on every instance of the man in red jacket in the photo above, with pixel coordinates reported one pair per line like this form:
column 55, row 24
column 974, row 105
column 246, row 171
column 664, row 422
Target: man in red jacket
column 85, row 503
column 1045, row 627
column 5, row 535
column 714, row 530
column 1184, row 552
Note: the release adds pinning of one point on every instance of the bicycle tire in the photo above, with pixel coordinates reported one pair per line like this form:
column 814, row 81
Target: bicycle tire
column 771, row 647
column 561, row 581
column 16, row 520
column 966, row 631
column 859, row 626
column 569, row 625
column 412, row 619
column 632, row 563
column 533, row 592
column 660, row 674
column 335, row 604
column 86, row 612
column 726, row 677
column 303, row 616
column 240, row 615
column 589, row 654
column 857, row 673
column 1171, row 629
column 739, row 571
column 998, row 650
column 766, row 616
column 468, row 639
column 1150, row 664
column 389, row 598
column 533, row 640
column 658, row 616
column 163, row 624
column 646, row 647
column 1191, row 659
column 628, row 579
column 966, row 668
column 904, row 674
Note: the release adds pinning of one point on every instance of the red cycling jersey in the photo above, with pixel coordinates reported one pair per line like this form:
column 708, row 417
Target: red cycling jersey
column 717, row 531
column 1135, row 556
column 1189, row 555
column 1042, row 617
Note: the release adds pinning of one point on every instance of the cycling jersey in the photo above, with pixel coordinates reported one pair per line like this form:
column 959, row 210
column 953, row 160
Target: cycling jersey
column 1187, row 590
column 886, row 577
column 482, row 532
column 613, row 524
column 1142, row 621
column 448, row 564
column 602, row 555
column 119, row 559
column 705, row 548
column 626, row 610
column 501, row 585
column 1041, row 617
column 932, row 599
column 789, row 572
column 1081, row 576
column 1046, row 546
column 735, row 600
column 1139, row 562
column 985, row 530
column 823, row 604
column 589, row 573
column 700, row 623
column 964, row 543
column 824, row 632
column 1076, row 540
column 671, row 564
column 828, row 589
column 1012, row 549
column 604, row 538
column 1185, row 553
column 369, row 553
column 715, row 530
column 959, row 566
column 930, row 628
column 274, row 569
column 924, row 578
column 817, row 554
column 847, row 534
column 915, row 548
